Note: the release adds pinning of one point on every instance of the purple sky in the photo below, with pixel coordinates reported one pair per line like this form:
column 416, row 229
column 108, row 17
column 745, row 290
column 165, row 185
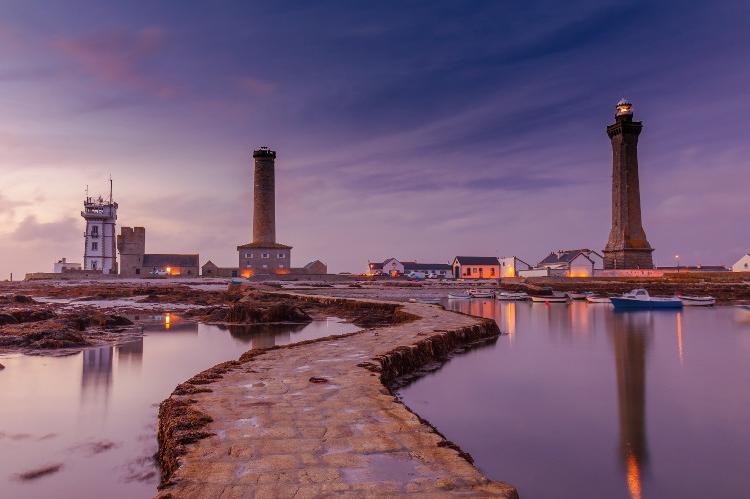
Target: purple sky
column 419, row 130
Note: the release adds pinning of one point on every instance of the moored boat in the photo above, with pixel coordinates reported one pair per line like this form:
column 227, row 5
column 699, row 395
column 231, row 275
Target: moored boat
column 480, row 293
column 639, row 299
column 430, row 301
column 459, row 296
column 598, row 299
column 506, row 296
column 697, row 301
column 555, row 297
column 579, row 295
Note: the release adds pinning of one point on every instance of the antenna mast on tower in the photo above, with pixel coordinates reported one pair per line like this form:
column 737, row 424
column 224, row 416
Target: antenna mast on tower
column 110, row 188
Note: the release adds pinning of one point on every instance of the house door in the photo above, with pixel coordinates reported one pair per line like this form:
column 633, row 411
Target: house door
column 456, row 272
column 481, row 272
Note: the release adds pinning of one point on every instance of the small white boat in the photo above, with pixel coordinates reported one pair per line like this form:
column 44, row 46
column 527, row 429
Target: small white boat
column 505, row 296
column 430, row 301
column 640, row 299
column 575, row 295
column 598, row 299
column 459, row 296
column 555, row 297
column 697, row 301
column 480, row 293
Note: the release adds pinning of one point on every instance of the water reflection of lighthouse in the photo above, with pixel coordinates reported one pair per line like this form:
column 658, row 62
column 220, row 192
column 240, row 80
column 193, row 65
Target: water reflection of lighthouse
column 630, row 336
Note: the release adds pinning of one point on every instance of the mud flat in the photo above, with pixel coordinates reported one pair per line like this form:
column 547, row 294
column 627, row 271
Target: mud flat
column 319, row 418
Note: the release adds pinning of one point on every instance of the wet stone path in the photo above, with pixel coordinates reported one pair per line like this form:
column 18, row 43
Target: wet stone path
column 314, row 419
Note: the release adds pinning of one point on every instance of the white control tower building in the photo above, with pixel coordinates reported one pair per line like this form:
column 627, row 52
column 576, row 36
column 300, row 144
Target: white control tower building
column 99, row 251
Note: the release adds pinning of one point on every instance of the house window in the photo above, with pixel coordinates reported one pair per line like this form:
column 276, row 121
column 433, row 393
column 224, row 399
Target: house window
column 281, row 265
column 95, row 231
column 94, row 246
column 265, row 255
column 265, row 266
column 137, row 271
column 492, row 271
column 280, row 255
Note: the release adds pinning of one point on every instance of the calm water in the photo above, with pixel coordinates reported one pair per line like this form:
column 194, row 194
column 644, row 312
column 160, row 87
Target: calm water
column 95, row 412
column 578, row 401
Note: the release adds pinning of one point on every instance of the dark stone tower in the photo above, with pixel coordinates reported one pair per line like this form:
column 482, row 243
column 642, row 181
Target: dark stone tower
column 264, row 255
column 264, row 198
column 627, row 247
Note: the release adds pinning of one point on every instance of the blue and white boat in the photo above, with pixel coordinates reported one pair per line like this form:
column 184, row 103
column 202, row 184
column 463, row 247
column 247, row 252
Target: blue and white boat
column 639, row 299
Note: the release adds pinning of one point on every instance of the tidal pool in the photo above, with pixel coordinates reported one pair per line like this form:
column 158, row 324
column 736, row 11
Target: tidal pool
column 578, row 401
column 84, row 425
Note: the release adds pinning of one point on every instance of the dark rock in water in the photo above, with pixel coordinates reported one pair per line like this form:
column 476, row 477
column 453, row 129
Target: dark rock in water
column 251, row 313
column 2, row 367
column 23, row 299
column 317, row 379
column 82, row 321
column 7, row 319
column 55, row 339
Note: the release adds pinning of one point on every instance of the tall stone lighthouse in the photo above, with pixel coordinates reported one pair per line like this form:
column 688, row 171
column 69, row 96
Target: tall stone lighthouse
column 627, row 247
column 264, row 255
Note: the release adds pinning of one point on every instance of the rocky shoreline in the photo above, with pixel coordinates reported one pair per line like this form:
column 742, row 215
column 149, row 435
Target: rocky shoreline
column 319, row 418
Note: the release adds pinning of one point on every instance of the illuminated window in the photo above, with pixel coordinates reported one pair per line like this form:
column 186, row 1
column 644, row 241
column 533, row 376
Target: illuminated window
column 492, row 271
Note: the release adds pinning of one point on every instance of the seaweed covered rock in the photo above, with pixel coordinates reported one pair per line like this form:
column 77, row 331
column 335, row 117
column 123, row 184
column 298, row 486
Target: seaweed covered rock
column 55, row 339
column 254, row 313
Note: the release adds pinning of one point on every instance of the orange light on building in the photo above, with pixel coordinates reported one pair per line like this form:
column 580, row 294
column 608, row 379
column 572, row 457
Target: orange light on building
column 247, row 273
column 169, row 270
column 167, row 321
column 281, row 271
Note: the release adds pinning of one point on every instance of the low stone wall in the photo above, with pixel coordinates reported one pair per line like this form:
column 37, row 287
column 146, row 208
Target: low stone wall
column 318, row 418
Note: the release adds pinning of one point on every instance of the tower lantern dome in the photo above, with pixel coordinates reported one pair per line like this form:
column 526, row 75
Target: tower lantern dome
column 624, row 107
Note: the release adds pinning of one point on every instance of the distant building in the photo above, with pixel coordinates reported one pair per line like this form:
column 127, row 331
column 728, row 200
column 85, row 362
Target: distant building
column 567, row 263
column 315, row 267
column 511, row 265
column 99, row 252
column 476, row 267
column 137, row 263
column 210, row 269
column 429, row 269
column 742, row 265
column 388, row 266
column 63, row 265
column 393, row 266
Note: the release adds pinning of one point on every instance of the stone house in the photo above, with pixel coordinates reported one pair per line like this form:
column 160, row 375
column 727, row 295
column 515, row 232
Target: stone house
column 264, row 258
column 510, row 266
column 135, row 262
column 571, row 263
column 476, row 267
column 210, row 269
column 742, row 265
